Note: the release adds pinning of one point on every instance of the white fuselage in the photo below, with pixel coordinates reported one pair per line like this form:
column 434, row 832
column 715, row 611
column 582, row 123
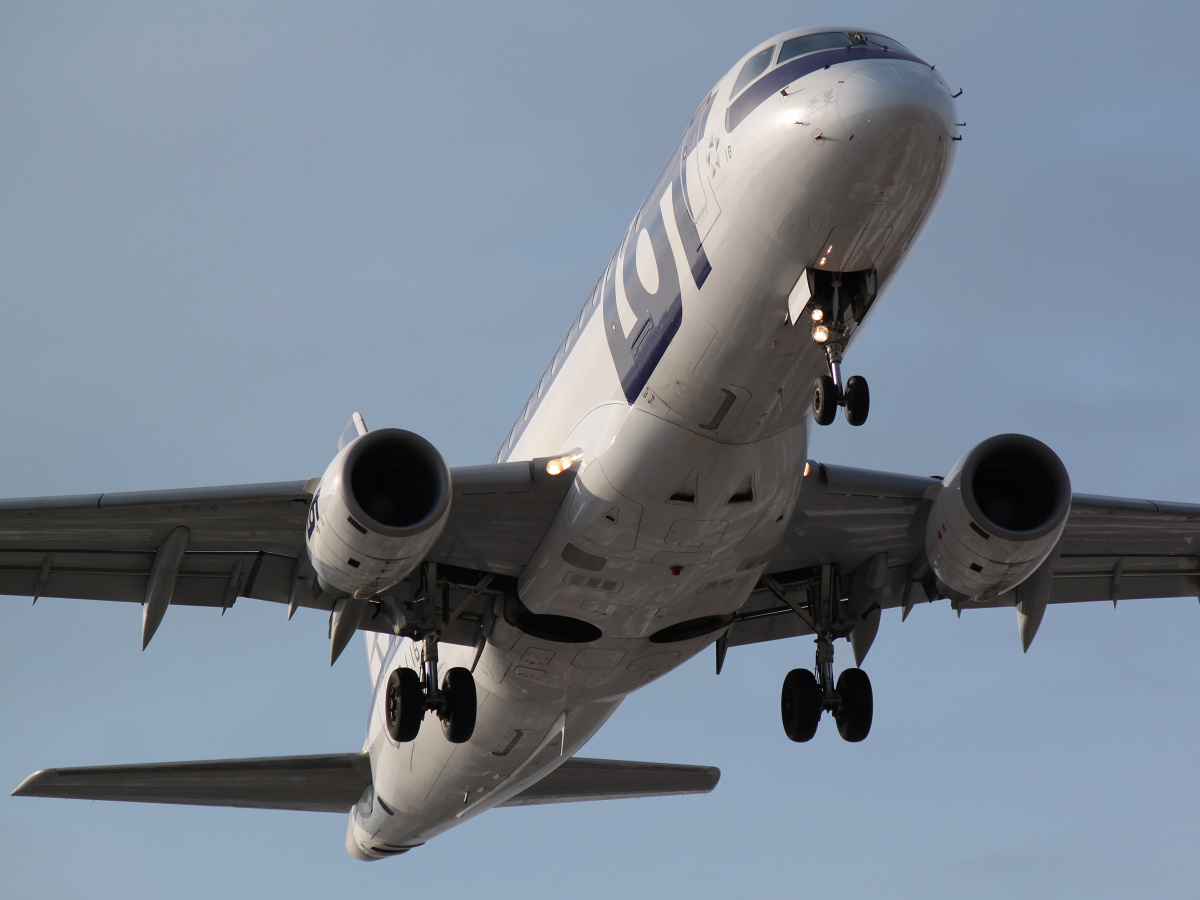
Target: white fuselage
column 687, row 388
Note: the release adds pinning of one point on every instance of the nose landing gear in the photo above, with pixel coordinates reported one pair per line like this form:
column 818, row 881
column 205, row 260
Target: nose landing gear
column 829, row 394
column 409, row 696
column 839, row 301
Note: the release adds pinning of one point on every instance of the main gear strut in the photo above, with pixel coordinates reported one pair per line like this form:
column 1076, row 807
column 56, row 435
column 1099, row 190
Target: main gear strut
column 807, row 695
column 410, row 695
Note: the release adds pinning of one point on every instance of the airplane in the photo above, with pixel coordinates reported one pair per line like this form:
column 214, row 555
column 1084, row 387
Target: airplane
column 654, row 498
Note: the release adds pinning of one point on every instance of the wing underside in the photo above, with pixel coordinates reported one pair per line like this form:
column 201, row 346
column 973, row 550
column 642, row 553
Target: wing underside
column 1112, row 549
column 248, row 541
column 330, row 783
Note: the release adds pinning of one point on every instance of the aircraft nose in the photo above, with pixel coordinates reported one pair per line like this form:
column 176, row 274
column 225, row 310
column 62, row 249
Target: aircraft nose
column 886, row 100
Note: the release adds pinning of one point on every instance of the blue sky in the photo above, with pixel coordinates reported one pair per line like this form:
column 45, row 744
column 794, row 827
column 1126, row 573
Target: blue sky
column 226, row 226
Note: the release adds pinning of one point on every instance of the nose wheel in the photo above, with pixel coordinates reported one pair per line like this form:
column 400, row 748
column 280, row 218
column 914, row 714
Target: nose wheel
column 806, row 696
column 829, row 393
column 409, row 696
column 856, row 400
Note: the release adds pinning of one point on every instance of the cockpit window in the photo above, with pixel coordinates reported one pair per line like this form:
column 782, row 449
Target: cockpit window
column 836, row 40
column 811, row 43
column 755, row 66
column 878, row 40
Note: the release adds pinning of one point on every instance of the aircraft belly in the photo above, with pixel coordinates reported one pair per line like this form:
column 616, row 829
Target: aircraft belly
column 427, row 786
column 662, row 537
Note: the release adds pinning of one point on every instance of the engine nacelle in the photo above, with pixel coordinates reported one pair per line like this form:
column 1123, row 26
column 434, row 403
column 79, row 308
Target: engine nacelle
column 998, row 516
column 380, row 508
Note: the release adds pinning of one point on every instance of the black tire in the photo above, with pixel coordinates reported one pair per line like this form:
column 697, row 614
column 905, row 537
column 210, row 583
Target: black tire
column 856, row 705
column 801, row 705
column 458, row 724
column 825, row 400
column 858, row 400
column 404, row 706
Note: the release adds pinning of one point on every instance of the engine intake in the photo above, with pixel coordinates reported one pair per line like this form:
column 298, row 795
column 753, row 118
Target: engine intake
column 380, row 508
column 999, row 515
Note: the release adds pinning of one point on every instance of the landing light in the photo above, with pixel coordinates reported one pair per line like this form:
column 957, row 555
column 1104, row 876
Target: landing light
column 558, row 464
column 818, row 314
column 821, row 334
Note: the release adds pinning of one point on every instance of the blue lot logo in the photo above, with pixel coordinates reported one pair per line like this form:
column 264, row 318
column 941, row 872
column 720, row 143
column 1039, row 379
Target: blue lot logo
column 637, row 346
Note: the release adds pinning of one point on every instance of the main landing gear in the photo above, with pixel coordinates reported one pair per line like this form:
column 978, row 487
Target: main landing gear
column 410, row 695
column 829, row 393
column 806, row 696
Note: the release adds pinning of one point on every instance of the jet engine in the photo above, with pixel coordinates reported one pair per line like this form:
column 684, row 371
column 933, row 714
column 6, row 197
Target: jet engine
column 998, row 516
column 380, row 507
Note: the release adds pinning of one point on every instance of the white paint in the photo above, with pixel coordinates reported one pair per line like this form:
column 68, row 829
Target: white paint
column 625, row 312
column 647, row 265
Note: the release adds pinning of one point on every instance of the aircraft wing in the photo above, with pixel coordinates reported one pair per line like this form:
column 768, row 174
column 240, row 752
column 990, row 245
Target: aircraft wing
column 1112, row 548
column 335, row 782
column 248, row 541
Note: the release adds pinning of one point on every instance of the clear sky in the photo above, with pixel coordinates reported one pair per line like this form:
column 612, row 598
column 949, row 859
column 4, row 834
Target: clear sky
column 226, row 226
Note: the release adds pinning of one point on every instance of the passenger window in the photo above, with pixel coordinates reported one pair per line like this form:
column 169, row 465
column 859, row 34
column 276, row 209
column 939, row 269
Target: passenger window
column 811, row 43
column 755, row 66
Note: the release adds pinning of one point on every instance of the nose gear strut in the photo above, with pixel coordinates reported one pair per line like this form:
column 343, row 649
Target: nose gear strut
column 829, row 391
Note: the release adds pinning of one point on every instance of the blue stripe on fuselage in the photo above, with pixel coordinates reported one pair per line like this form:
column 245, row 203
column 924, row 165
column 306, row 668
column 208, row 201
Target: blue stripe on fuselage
column 659, row 314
